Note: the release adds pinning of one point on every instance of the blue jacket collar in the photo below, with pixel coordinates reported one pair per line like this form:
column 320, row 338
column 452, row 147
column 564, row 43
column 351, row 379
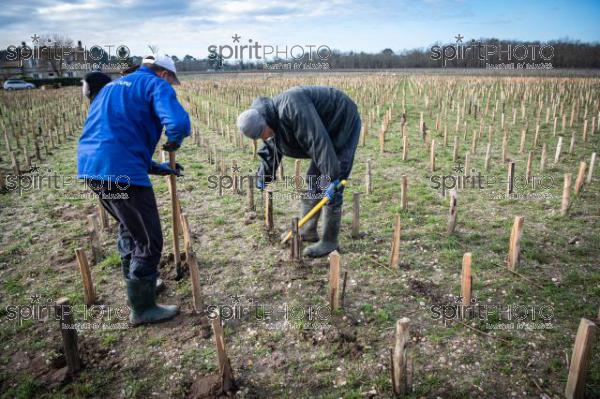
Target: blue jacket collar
column 146, row 69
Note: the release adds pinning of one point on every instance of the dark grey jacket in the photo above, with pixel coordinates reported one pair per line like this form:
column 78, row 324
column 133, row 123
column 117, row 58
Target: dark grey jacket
column 309, row 122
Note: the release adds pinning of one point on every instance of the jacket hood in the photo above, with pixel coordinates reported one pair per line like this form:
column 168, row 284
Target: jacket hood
column 267, row 109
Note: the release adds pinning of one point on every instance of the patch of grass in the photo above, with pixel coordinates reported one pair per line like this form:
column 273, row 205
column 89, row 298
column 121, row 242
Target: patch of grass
column 111, row 261
column 27, row 387
column 13, row 286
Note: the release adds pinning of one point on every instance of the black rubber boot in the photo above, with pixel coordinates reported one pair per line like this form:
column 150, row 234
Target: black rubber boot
column 331, row 229
column 308, row 232
column 125, row 267
column 142, row 300
column 160, row 284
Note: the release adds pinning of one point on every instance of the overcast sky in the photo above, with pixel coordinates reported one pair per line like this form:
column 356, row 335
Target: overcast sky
column 182, row 27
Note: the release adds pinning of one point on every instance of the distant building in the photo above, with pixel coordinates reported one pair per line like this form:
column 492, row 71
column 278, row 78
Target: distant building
column 44, row 65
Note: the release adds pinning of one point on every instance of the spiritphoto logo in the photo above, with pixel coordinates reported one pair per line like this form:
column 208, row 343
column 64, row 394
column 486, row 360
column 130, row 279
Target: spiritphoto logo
column 36, row 179
column 495, row 315
column 276, row 316
column 221, row 182
column 495, row 55
column 94, row 317
column 475, row 180
column 57, row 49
column 254, row 50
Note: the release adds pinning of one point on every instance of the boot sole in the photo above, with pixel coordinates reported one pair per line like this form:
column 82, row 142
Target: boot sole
column 141, row 323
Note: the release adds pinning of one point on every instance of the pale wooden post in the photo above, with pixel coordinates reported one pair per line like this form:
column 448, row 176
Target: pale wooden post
column 225, row 371
column 192, row 262
column 334, row 280
column 398, row 368
column 404, row 193
column 368, row 177
column 566, row 194
column 395, row 252
column 591, row 170
column 86, row 276
column 580, row 359
column 558, row 149
column 580, row 177
column 466, row 280
column 514, row 248
column 268, row 193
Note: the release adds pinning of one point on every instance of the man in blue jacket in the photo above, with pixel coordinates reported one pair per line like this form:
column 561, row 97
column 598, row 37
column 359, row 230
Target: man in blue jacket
column 114, row 156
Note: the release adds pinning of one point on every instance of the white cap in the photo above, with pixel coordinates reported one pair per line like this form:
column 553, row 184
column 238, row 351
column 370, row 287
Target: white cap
column 163, row 61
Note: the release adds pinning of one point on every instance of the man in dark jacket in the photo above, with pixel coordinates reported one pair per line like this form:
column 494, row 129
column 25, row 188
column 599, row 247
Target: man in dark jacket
column 319, row 123
column 114, row 156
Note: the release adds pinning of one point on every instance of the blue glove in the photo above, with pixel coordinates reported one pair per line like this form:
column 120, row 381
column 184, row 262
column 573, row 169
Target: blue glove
column 260, row 183
column 164, row 169
column 330, row 192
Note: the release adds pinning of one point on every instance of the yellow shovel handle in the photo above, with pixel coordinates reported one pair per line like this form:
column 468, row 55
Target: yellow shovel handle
column 312, row 212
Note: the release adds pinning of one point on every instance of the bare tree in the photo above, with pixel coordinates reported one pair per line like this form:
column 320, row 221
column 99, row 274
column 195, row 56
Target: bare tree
column 55, row 47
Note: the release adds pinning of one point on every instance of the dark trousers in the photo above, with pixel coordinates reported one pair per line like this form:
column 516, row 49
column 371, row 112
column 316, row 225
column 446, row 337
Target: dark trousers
column 346, row 157
column 140, row 239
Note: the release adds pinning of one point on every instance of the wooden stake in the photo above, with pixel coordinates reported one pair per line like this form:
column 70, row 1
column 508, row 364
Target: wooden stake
column 466, row 280
column 452, row 213
column 580, row 359
column 225, row 371
column 334, row 280
column 528, row 167
column 94, row 232
column 487, row 156
column 296, row 244
column 103, row 215
column 399, row 373
column 356, row 215
column 86, row 276
column 404, row 193
column 514, row 247
column 523, row 136
column 405, row 147
column 192, row 263
column 395, row 252
column 510, row 178
column 455, row 149
column 566, row 194
column 543, row 158
column 591, row 170
column 558, row 148
column 580, row 177
column 63, row 313
column 175, row 214
column 268, row 193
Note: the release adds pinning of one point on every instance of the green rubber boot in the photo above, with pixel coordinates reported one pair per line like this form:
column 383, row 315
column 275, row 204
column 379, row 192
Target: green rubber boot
column 308, row 232
column 160, row 284
column 142, row 296
column 331, row 229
